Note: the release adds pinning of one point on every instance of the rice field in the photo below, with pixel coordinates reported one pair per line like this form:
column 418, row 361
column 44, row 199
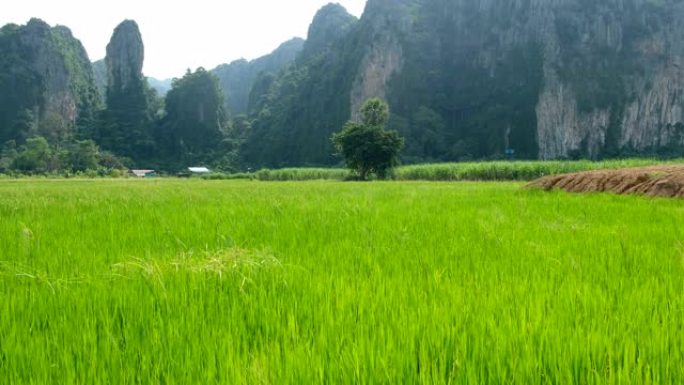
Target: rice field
column 246, row 282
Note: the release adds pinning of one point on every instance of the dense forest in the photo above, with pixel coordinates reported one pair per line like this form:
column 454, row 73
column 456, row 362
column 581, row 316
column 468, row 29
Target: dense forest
column 55, row 119
column 464, row 80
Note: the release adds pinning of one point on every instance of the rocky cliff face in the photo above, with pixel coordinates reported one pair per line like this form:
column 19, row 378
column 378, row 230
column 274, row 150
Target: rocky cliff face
column 125, row 56
column 126, row 128
column 613, row 78
column 611, row 71
column 550, row 79
column 238, row 78
column 330, row 24
column 472, row 79
column 294, row 113
column 162, row 86
column 383, row 57
column 46, row 82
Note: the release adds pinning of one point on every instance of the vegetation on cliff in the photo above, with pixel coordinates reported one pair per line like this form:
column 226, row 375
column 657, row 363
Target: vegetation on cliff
column 465, row 81
column 195, row 123
column 46, row 83
column 238, row 78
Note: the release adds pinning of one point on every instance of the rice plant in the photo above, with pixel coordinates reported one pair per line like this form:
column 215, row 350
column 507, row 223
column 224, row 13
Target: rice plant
column 245, row 282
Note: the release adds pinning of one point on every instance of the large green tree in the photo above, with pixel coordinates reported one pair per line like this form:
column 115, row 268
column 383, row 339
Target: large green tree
column 126, row 125
column 366, row 146
column 84, row 155
column 195, row 121
column 34, row 157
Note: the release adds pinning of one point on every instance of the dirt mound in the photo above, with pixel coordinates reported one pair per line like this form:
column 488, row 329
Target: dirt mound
column 658, row 181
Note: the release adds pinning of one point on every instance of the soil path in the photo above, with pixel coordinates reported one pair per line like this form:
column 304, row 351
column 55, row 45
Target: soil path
column 657, row 181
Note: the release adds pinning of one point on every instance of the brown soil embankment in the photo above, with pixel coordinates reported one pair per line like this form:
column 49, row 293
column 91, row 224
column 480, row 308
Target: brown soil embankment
column 657, row 181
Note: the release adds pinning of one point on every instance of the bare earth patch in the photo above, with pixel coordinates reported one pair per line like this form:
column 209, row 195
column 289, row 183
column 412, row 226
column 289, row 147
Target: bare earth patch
column 656, row 181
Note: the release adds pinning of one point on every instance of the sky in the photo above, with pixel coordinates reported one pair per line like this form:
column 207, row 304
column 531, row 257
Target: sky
column 180, row 34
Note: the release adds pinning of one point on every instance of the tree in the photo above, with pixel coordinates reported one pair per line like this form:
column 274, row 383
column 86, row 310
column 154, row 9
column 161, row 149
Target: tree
column 53, row 128
column 84, row 156
column 35, row 156
column 367, row 147
column 7, row 155
column 195, row 121
column 375, row 112
column 126, row 124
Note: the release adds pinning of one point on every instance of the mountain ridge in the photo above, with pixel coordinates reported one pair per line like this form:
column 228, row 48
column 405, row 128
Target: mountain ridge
column 468, row 80
column 237, row 78
column 464, row 80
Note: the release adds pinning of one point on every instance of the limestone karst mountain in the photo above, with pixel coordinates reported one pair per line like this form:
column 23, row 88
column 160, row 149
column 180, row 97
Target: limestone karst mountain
column 126, row 128
column 294, row 113
column 46, row 82
column 464, row 80
column 470, row 79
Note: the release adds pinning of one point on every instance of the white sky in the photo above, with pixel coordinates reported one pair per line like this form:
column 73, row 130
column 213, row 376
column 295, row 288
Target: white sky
column 180, row 34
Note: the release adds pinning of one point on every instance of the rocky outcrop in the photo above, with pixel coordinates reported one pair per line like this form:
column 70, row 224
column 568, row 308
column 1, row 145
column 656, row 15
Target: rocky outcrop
column 294, row 112
column 383, row 60
column 655, row 118
column 562, row 129
column 386, row 22
column 611, row 72
column 125, row 56
column 46, row 83
column 127, row 129
column 632, row 53
column 330, row 24
column 481, row 79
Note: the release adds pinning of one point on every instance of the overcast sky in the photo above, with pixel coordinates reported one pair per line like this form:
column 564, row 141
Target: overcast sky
column 180, row 34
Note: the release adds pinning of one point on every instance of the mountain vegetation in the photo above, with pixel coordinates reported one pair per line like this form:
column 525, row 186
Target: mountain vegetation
column 468, row 80
column 294, row 114
column 237, row 79
column 126, row 124
column 100, row 74
column 49, row 102
column 46, row 83
column 194, row 125
column 464, row 81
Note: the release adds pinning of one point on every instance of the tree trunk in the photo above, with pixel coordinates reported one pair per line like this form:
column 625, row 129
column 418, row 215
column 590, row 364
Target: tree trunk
column 363, row 174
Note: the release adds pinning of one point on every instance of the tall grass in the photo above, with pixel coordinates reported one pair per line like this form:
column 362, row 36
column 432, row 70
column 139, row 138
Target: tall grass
column 471, row 171
column 468, row 171
column 513, row 171
column 188, row 282
column 301, row 174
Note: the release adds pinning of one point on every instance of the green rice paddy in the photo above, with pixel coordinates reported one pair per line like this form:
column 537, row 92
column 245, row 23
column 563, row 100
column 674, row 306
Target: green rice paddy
column 247, row 282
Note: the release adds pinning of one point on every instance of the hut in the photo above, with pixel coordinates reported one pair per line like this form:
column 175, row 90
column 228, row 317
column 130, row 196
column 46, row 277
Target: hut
column 144, row 173
column 199, row 170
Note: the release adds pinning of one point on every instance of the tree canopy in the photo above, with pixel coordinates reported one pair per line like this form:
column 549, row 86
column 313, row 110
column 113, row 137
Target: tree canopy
column 195, row 122
column 367, row 147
